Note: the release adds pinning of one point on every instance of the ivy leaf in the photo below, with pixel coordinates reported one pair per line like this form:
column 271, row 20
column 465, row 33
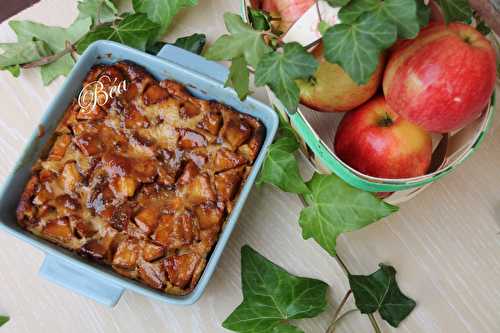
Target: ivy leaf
column 161, row 11
column 483, row 28
column 281, row 168
column 423, row 13
column 355, row 8
column 271, row 296
column 243, row 40
column 61, row 66
column 380, row 292
column 56, row 39
column 286, row 328
column 280, row 70
column 15, row 70
column 337, row 3
column 193, row 43
column 239, row 77
column 357, row 46
column 135, row 30
column 3, row 320
column 22, row 52
column 401, row 13
column 455, row 10
column 334, row 207
column 100, row 11
column 259, row 19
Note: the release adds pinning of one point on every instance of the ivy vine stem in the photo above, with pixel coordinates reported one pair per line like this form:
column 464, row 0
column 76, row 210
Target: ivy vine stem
column 371, row 317
column 331, row 327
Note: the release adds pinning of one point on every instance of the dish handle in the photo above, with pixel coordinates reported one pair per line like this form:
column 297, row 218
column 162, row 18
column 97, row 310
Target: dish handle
column 194, row 62
column 80, row 281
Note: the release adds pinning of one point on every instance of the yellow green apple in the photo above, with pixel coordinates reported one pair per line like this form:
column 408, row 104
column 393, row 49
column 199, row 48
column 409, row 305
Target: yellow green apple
column 333, row 90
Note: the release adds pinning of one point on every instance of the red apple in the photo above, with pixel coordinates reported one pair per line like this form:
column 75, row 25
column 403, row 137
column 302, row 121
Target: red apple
column 289, row 10
column 376, row 141
column 443, row 79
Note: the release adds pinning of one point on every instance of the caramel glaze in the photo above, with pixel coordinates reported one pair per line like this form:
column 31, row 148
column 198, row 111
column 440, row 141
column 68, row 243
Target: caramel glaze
column 144, row 182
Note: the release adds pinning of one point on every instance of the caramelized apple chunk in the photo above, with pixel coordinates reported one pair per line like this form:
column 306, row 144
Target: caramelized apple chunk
column 174, row 232
column 200, row 190
column 152, row 274
column 84, row 228
column 152, row 251
column 58, row 229
column 147, row 219
column 190, row 139
column 227, row 183
column 93, row 249
column 25, row 208
column 211, row 122
column 181, row 268
column 189, row 110
column 127, row 254
column 226, row 159
column 59, row 148
column 71, row 177
column 209, row 214
column 235, row 130
column 154, row 94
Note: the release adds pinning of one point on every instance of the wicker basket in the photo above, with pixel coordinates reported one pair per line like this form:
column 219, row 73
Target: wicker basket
column 317, row 131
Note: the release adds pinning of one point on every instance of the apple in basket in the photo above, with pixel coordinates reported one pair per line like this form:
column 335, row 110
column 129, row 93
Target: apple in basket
column 289, row 10
column 443, row 79
column 333, row 89
column 376, row 141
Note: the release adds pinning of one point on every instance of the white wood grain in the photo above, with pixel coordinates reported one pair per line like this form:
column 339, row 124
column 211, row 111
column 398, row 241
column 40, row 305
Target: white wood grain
column 444, row 243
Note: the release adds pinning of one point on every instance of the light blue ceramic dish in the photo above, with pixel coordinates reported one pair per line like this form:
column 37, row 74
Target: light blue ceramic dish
column 204, row 79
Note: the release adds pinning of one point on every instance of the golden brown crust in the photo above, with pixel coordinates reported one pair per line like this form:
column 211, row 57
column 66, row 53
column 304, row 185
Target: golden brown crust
column 144, row 181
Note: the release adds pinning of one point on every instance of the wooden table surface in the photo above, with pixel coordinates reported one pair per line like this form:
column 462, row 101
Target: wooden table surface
column 445, row 243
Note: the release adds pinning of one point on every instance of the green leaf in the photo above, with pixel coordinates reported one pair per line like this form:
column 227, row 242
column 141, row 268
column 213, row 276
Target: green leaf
column 55, row 37
column 323, row 27
column 423, row 13
column 401, row 13
column 280, row 70
column 456, row 10
column 3, row 320
column 135, row 30
column 100, row 11
column 281, row 168
column 334, row 207
column 483, row 28
column 243, row 40
column 15, row 70
column 357, row 46
column 22, row 52
column 193, row 43
column 259, row 19
column 286, row 328
column 380, row 291
column 239, row 77
column 154, row 48
column 356, row 8
column 286, row 130
column 337, row 3
column 271, row 296
column 162, row 11
column 61, row 66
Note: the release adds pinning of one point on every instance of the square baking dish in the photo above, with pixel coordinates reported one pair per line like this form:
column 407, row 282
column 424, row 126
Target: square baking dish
column 204, row 79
